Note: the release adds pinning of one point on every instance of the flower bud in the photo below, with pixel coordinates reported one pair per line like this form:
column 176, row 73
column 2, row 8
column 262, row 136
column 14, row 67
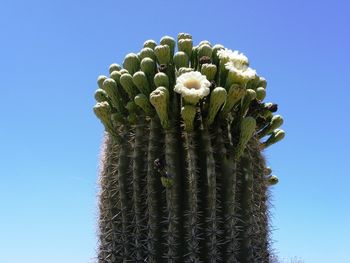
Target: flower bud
column 131, row 107
column 276, row 136
column 180, row 60
column 114, row 67
column 194, row 57
column 272, row 180
column 101, row 95
column 234, row 95
column 248, row 98
column 262, row 82
column 150, row 43
column 183, row 36
column 132, row 118
column 103, row 112
column 128, row 85
column 123, row 71
column 142, row 101
column 161, row 80
column 186, row 46
column 147, row 52
column 204, row 42
column 115, row 75
column 183, row 70
column 275, row 123
column 217, row 99
column 215, row 57
column 260, row 93
column 117, row 117
column 247, row 129
column 141, row 82
column 162, row 53
column 110, row 86
column 204, row 51
column 100, row 81
column 148, row 66
column 159, row 98
column 131, row 63
column 167, row 182
column 267, row 171
column 166, row 40
column 209, row 70
column 188, row 113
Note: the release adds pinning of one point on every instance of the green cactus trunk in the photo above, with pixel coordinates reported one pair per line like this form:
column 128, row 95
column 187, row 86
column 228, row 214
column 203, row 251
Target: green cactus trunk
column 187, row 185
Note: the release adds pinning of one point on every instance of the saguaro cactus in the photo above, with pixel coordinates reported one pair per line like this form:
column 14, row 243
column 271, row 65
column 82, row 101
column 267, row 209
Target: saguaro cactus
column 182, row 174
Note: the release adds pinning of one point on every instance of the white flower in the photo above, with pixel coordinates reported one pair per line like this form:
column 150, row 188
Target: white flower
column 192, row 86
column 227, row 55
column 240, row 72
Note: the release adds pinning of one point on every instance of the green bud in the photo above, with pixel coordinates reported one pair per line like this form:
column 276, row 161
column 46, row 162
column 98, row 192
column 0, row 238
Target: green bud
column 180, row 60
column 182, row 71
column 188, row 113
column 150, row 43
column 131, row 63
column 204, row 51
column 209, row 70
column 141, row 82
column 115, row 75
column 204, row 42
column 123, row 71
column 276, row 122
column 260, row 93
column 234, row 95
column 101, row 95
column 262, row 82
column 114, row 67
column 103, row 112
column 166, row 40
column 132, row 118
column 100, row 81
column 249, row 96
column 166, row 182
column 247, row 129
column 159, row 98
column 183, row 36
column 161, row 80
column 217, row 99
column 186, row 46
column 147, row 52
column 131, row 106
column 215, row 57
column 194, row 57
column 276, row 136
column 162, row 53
column 272, row 180
column 128, row 85
column 267, row 171
column 117, row 117
column 148, row 66
column 142, row 101
column 110, row 86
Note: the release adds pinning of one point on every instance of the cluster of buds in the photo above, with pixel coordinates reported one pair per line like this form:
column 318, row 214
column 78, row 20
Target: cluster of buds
column 217, row 81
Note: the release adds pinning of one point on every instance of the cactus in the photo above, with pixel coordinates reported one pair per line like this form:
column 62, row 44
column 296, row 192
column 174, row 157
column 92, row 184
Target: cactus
column 182, row 174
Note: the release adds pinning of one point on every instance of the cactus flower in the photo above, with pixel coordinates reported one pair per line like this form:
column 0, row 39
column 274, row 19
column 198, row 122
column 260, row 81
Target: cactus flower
column 192, row 86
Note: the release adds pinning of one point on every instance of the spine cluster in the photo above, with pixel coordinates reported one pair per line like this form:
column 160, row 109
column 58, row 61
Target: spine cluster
column 182, row 175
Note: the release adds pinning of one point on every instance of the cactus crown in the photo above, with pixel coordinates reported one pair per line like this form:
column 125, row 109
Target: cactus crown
column 183, row 178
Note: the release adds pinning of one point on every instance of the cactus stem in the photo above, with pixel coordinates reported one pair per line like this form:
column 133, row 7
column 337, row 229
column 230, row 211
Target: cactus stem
column 124, row 178
column 193, row 227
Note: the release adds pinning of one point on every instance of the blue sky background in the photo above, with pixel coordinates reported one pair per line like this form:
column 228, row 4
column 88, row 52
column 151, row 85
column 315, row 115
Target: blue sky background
column 51, row 53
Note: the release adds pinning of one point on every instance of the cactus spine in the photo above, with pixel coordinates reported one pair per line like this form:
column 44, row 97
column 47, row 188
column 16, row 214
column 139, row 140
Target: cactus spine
column 182, row 174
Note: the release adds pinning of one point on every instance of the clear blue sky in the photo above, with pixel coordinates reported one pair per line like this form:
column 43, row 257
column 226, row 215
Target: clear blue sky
column 50, row 55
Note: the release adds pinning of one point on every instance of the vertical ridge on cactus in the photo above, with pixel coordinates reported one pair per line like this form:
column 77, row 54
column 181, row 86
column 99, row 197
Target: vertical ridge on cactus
column 182, row 173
